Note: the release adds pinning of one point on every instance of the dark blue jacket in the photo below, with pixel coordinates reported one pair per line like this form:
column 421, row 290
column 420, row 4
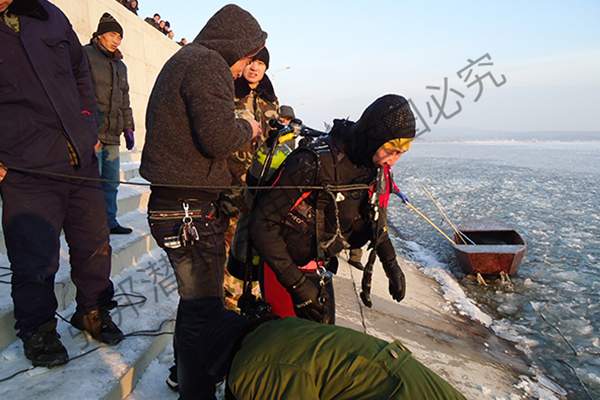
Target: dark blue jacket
column 46, row 95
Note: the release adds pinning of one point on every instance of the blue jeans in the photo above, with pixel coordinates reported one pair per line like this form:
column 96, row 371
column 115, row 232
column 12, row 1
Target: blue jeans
column 110, row 168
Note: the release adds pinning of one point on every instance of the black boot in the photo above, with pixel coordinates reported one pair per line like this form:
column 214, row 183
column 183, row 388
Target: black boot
column 99, row 324
column 172, row 381
column 44, row 348
column 120, row 230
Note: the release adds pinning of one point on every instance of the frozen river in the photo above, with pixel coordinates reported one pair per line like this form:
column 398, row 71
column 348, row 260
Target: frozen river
column 548, row 191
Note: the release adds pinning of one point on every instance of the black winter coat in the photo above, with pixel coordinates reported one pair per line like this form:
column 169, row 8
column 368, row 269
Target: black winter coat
column 284, row 252
column 109, row 78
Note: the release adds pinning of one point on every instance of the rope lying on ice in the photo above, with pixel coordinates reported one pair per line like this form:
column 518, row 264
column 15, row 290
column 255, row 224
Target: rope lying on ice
column 358, row 300
column 557, row 330
column 578, row 378
column 572, row 349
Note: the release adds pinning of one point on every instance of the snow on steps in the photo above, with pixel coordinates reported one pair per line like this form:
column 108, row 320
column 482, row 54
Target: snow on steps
column 111, row 372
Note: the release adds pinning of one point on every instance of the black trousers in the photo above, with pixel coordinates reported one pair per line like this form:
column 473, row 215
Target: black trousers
column 34, row 211
column 199, row 269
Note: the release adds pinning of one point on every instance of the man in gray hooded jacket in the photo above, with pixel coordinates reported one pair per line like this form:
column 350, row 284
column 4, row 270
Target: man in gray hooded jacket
column 191, row 128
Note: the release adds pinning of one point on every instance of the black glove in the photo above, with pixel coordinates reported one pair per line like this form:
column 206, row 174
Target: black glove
column 309, row 300
column 396, row 277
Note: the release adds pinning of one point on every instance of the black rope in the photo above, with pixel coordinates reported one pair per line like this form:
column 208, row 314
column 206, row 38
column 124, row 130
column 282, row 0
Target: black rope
column 3, row 275
column 152, row 333
column 15, row 374
column 340, row 188
column 358, row 300
column 557, row 330
column 572, row 349
column 70, row 359
column 577, row 376
column 139, row 296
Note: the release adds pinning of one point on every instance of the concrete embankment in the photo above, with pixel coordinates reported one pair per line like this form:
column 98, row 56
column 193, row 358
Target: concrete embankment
column 467, row 354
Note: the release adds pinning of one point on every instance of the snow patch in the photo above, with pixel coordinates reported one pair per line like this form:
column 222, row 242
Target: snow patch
column 540, row 387
column 451, row 289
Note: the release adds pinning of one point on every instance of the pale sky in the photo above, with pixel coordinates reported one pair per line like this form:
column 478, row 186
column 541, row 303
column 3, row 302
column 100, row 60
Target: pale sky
column 544, row 56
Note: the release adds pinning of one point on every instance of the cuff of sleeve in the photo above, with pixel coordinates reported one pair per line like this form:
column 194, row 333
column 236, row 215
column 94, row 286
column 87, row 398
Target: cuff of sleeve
column 290, row 276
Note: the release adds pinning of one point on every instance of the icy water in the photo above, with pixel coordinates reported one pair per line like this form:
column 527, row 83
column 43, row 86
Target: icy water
column 549, row 192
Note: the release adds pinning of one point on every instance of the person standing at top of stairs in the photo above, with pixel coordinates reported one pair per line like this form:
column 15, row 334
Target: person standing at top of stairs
column 115, row 117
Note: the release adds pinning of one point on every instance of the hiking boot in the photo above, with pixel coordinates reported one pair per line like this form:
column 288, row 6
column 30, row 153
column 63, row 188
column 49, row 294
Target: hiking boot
column 120, row 230
column 172, row 382
column 99, row 324
column 44, row 348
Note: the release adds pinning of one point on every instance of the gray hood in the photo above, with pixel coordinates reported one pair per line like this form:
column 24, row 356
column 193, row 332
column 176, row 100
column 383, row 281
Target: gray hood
column 233, row 33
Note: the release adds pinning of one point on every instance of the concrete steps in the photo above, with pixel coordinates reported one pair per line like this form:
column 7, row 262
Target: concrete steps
column 134, row 156
column 97, row 371
column 126, row 250
column 129, row 170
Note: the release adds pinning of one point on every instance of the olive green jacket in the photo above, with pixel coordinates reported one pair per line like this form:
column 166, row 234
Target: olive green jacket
column 260, row 104
column 293, row 358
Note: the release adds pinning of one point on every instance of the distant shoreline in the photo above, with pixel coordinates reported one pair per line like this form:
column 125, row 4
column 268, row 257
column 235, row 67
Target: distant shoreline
column 459, row 135
column 507, row 141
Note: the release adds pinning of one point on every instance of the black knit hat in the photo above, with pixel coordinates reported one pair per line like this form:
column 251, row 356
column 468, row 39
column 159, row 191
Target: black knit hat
column 263, row 55
column 389, row 117
column 108, row 24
